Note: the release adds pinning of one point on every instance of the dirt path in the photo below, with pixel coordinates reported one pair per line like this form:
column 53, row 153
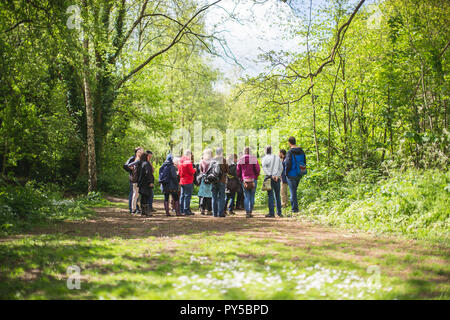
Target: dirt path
column 422, row 266
column 402, row 256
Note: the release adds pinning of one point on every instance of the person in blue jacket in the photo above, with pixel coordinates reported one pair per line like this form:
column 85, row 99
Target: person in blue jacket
column 168, row 180
column 294, row 159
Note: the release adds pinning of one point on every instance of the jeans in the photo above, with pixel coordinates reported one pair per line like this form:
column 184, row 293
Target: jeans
column 293, row 185
column 150, row 198
column 185, row 199
column 275, row 190
column 218, row 199
column 230, row 197
column 249, row 198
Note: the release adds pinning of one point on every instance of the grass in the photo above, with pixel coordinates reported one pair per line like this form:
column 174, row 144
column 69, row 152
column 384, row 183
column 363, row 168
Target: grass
column 211, row 265
column 246, row 259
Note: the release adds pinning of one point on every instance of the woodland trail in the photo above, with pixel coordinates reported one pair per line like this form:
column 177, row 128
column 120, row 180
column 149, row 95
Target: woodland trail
column 342, row 244
column 138, row 253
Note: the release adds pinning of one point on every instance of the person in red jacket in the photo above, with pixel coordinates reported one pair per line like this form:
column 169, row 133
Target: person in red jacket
column 186, row 172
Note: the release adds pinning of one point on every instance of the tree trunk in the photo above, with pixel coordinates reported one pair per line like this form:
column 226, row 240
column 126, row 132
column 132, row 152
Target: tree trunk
column 329, row 114
column 90, row 135
column 314, row 121
column 83, row 163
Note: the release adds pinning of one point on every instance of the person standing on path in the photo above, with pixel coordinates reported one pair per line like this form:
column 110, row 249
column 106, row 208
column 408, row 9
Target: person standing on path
column 204, row 191
column 218, row 188
column 248, row 172
column 294, row 158
column 135, row 168
column 284, row 183
column 145, row 183
column 233, row 184
column 273, row 168
column 152, row 178
column 128, row 169
column 176, row 162
column 168, row 180
column 186, row 172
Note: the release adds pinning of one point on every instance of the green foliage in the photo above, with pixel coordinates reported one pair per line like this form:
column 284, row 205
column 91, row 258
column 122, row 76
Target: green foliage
column 23, row 207
column 413, row 203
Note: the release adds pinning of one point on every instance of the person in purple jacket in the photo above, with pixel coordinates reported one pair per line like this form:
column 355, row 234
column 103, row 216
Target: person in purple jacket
column 248, row 171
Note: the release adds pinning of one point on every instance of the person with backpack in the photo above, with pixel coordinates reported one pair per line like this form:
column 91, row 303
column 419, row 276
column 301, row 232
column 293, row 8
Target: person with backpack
column 273, row 168
column 127, row 169
column 248, row 172
column 204, row 191
column 168, row 180
column 216, row 176
column 145, row 183
column 284, row 183
column 295, row 169
column 186, row 172
column 135, row 168
column 233, row 184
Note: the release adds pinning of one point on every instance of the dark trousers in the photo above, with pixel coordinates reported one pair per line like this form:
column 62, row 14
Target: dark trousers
column 144, row 200
column 205, row 204
column 175, row 196
column 150, row 198
column 293, row 185
column 240, row 200
column 230, row 197
column 274, row 194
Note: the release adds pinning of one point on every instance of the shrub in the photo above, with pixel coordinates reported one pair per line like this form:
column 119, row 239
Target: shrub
column 414, row 203
column 24, row 206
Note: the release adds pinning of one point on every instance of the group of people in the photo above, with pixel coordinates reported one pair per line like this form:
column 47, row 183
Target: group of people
column 224, row 182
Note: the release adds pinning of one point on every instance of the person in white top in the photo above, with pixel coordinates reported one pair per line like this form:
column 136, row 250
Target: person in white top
column 273, row 168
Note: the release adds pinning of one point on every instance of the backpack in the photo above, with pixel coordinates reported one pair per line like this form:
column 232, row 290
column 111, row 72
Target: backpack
column 233, row 184
column 135, row 172
column 164, row 174
column 197, row 175
column 299, row 166
column 212, row 175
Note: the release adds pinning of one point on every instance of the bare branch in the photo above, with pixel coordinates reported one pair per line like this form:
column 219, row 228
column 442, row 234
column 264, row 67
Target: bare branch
column 174, row 41
column 17, row 24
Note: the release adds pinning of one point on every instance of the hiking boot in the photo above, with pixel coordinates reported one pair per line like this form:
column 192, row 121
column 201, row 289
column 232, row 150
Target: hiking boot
column 231, row 213
column 209, row 213
column 248, row 215
column 146, row 211
column 270, row 216
column 166, row 208
column 152, row 210
column 202, row 212
column 177, row 209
